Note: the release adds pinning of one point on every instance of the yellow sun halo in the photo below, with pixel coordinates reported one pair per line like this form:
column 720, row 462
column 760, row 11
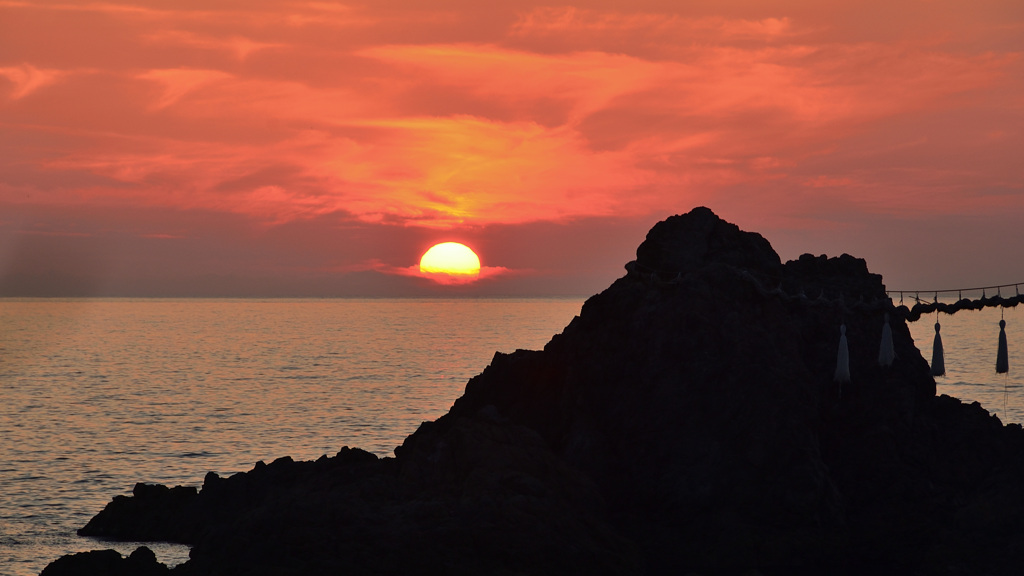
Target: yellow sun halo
column 450, row 258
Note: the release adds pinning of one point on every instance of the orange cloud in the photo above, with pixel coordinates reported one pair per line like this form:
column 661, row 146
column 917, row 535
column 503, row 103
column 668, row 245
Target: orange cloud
column 179, row 82
column 588, row 80
column 486, row 272
column 27, row 79
column 240, row 46
column 569, row 19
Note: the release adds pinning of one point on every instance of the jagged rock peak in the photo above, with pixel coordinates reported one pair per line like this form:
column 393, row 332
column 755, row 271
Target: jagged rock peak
column 682, row 243
column 685, row 243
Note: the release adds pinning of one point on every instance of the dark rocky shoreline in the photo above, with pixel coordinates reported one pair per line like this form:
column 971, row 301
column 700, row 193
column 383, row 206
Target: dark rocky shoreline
column 686, row 421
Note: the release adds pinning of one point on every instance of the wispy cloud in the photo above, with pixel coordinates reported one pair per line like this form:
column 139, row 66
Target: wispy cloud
column 27, row 79
column 239, row 46
column 486, row 273
column 573, row 20
column 177, row 82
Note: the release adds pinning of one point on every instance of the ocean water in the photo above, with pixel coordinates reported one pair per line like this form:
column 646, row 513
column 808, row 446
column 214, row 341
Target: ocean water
column 970, row 339
column 96, row 395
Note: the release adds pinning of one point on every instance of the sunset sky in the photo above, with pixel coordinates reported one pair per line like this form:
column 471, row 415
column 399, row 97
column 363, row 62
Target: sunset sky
column 275, row 148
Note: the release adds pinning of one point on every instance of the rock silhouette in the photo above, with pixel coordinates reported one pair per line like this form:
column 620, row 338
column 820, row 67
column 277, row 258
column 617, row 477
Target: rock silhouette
column 686, row 421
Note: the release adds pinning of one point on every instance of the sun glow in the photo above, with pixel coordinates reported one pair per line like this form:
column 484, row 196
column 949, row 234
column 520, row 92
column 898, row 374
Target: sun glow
column 450, row 261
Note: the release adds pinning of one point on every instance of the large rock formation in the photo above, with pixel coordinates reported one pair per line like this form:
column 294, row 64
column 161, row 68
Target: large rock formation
column 686, row 420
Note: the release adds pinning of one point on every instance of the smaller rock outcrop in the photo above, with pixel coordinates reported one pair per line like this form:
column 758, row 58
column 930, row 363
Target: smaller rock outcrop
column 152, row 513
column 141, row 562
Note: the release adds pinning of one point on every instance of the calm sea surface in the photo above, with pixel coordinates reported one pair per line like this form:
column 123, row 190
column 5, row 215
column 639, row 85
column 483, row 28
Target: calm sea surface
column 96, row 395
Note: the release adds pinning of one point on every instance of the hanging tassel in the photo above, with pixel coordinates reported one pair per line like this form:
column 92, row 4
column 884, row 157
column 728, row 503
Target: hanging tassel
column 886, row 352
column 938, row 360
column 1002, row 356
column 842, row 358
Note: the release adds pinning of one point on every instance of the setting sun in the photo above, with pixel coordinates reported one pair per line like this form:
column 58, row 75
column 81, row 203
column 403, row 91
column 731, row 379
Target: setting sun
column 452, row 260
